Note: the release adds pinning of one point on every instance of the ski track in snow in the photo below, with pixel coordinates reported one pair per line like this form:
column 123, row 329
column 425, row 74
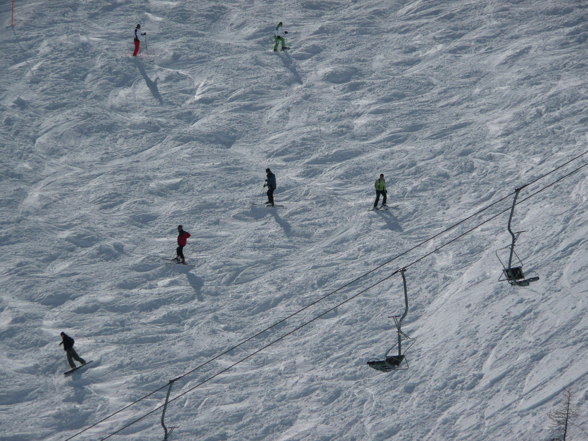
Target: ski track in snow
column 457, row 103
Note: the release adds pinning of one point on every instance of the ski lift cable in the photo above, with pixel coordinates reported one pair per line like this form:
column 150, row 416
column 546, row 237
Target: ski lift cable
column 326, row 312
column 495, row 216
column 297, row 328
column 555, row 169
column 341, row 288
column 251, row 354
column 320, row 299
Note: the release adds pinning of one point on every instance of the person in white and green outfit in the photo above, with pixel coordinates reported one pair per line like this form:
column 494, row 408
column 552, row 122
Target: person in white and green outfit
column 380, row 190
column 279, row 33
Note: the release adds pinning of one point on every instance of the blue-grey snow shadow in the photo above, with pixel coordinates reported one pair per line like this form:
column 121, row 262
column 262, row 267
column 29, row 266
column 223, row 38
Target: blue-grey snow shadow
column 195, row 282
column 81, row 392
column 17, row 40
column 152, row 85
column 261, row 212
column 281, row 222
column 391, row 221
column 287, row 60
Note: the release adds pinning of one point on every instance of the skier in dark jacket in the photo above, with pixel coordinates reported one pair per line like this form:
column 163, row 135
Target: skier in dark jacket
column 71, row 353
column 270, row 183
column 182, row 241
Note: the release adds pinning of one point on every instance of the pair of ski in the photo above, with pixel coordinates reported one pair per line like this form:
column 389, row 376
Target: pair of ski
column 174, row 260
column 383, row 207
column 266, row 205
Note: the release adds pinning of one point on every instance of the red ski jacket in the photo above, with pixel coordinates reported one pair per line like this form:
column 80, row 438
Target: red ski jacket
column 183, row 238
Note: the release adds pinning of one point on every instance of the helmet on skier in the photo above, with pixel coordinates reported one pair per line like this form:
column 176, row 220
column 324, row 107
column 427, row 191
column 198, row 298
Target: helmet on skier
column 138, row 26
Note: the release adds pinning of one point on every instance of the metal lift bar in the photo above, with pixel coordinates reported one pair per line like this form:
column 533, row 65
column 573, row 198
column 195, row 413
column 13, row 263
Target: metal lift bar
column 399, row 321
column 513, row 235
column 393, row 362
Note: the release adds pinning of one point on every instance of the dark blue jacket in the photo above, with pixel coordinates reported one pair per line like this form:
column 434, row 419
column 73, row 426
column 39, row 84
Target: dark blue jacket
column 68, row 342
column 271, row 181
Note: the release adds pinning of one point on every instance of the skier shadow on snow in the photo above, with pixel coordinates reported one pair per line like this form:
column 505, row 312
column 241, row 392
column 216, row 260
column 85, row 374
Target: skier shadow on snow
column 287, row 60
column 152, row 85
column 195, row 282
column 80, row 390
column 17, row 41
column 282, row 223
column 391, row 221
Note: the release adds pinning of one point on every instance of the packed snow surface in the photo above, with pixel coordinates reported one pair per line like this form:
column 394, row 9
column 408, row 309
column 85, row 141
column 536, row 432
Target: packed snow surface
column 270, row 324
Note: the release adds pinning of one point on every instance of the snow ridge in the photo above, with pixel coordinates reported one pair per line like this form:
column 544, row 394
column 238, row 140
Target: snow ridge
column 457, row 103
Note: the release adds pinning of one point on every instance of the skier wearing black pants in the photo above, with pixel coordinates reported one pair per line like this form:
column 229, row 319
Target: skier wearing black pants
column 270, row 183
column 182, row 241
column 380, row 190
column 71, row 353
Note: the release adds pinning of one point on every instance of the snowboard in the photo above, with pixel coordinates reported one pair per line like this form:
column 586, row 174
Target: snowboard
column 66, row 373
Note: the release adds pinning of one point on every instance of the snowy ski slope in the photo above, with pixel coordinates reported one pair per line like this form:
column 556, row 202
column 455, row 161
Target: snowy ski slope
column 103, row 155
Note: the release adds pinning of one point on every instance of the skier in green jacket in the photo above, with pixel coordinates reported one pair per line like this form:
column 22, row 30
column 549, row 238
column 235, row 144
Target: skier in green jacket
column 279, row 33
column 380, row 190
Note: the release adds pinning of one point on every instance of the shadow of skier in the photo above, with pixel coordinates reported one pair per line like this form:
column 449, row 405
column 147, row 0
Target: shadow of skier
column 289, row 64
column 152, row 85
column 281, row 222
column 196, row 283
column 391, row 221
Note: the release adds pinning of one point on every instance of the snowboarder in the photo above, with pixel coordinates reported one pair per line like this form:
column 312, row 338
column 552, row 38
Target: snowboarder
column 380, row 190
column 138, row 35
column 279, row 33
column 71, row 353
column 182, row 241
column 270, row 183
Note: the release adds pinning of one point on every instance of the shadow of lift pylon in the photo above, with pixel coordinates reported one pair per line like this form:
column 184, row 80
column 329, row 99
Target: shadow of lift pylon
column 398, row 361
column 514, row 274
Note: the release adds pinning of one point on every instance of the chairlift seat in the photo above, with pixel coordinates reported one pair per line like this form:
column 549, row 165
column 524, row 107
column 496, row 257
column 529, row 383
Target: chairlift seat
column 391, row 363
column 394, row 360
column 514, row 274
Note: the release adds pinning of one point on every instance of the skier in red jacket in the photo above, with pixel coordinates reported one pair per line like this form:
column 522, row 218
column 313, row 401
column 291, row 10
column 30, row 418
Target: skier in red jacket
column 182, row 241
